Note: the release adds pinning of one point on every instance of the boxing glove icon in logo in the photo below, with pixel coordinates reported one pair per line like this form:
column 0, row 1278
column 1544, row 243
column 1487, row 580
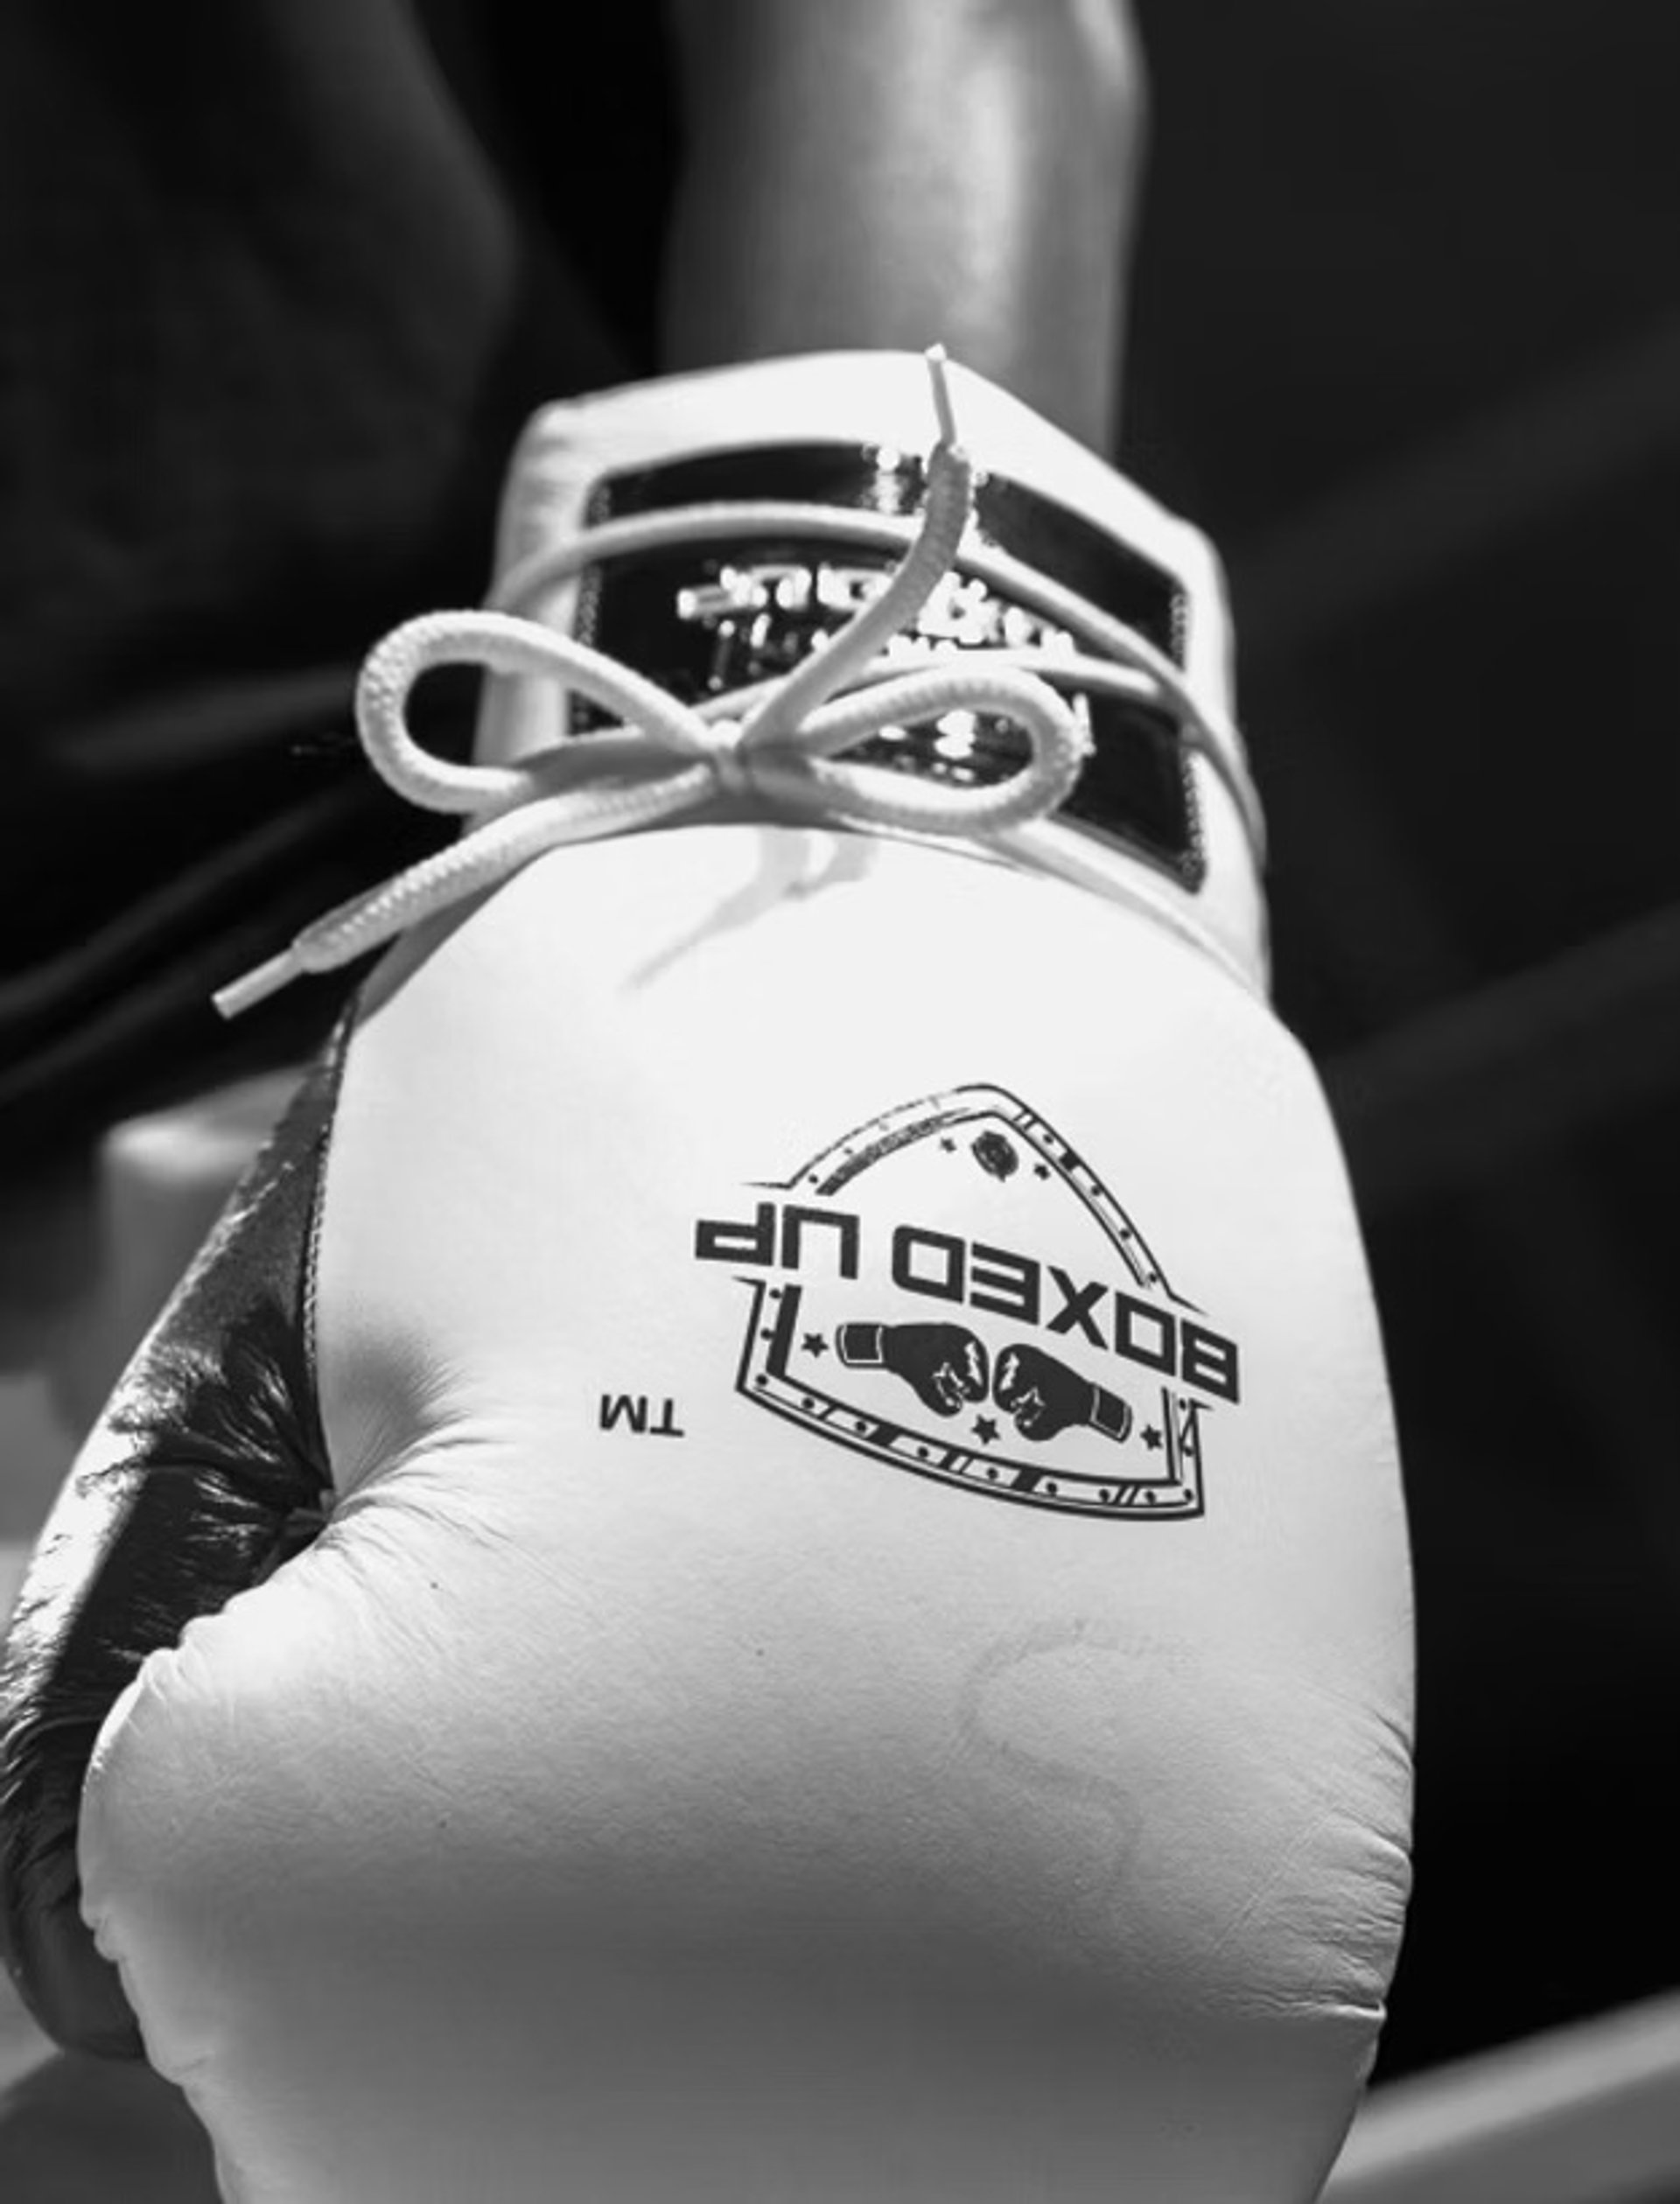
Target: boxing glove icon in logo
column 946, row 1365
column 1046, row 1398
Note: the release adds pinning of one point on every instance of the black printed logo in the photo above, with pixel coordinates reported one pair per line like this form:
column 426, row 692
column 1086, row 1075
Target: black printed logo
column 951, row 1289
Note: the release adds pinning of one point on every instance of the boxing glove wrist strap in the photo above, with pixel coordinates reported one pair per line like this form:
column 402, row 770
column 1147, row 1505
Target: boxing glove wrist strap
column 775, row 744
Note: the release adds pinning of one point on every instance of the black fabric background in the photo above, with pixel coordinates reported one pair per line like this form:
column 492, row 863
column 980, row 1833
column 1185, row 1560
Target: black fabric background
column 281, row 282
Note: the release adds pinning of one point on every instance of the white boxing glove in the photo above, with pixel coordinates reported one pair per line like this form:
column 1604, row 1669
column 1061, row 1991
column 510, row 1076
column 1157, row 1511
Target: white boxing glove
column 860, row 1648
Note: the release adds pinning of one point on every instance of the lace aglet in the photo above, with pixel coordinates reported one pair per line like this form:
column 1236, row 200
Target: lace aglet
column 938, row 360
column 256, row 986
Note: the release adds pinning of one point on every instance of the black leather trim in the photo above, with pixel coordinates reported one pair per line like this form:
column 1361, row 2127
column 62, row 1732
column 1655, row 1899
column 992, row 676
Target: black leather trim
column 700, row 619
column 217, row 1477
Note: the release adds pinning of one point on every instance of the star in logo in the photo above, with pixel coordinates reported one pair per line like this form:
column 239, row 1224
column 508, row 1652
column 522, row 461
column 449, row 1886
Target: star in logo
column 986, row 1430
column 814, row 1343
column 1152, row 1439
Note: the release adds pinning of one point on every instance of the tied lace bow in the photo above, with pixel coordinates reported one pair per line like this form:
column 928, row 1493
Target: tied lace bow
column 774, row 745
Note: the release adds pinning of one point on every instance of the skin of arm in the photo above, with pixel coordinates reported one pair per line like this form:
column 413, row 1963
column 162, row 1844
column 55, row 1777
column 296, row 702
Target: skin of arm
column 894, row 173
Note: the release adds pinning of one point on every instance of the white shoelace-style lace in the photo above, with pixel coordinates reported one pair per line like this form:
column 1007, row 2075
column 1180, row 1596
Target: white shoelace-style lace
column 774, row 743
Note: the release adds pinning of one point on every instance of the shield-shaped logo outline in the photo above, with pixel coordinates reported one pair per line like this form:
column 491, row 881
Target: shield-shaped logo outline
column 1173, row 1489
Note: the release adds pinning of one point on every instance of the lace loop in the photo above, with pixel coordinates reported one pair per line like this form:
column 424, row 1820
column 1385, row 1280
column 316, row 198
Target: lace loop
column 775, row 744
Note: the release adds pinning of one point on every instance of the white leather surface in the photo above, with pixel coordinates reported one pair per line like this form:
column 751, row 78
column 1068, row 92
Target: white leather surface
column 738, row 1814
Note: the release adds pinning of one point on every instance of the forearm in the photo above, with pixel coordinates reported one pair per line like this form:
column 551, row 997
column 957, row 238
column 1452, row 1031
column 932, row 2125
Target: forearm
column 894, row 172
